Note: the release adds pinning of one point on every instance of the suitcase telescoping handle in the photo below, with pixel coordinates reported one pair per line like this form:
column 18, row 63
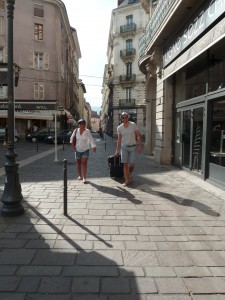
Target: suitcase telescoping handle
column 119, row 158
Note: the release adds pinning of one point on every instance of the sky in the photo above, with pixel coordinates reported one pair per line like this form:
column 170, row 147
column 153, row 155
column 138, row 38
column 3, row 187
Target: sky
column 91, row 19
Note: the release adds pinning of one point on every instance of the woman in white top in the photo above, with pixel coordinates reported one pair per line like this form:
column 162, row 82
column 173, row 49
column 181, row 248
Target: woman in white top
column 81, row 140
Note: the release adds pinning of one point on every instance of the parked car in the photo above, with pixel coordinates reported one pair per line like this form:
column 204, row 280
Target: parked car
column 63, row 136
column 40, row 134
column 3, row 138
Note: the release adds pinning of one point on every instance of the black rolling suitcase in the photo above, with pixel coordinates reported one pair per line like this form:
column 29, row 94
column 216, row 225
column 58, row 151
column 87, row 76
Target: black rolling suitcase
column 115, row 166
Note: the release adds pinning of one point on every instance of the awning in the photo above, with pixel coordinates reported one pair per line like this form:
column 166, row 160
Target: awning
column 30, row 115
column 47, row 115
column 70, row 118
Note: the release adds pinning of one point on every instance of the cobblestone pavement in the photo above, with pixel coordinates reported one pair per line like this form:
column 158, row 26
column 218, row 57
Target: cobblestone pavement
column 161, row 238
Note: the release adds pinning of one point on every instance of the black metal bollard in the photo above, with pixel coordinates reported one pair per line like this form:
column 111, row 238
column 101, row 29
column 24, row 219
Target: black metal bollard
column 63, row 144
column 65, row 186
column 37, row 144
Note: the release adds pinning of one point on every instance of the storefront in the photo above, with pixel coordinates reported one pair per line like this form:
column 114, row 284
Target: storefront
column 39, row 114
column 194, row 65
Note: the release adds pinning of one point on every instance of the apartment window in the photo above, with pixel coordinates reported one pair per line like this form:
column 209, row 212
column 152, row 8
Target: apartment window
column 129, row 46
column 1, row 55
column 129, row 20
column 1, row 25
column 39, row 60
column 129, row 69
column 38, row 91
column 38, row 10
column 128, row 94
column 2, row 4
column 38, row 31
column 1, row 92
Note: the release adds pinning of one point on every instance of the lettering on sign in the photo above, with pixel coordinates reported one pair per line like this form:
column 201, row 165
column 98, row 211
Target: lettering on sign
column 201, row 21
column 41, row 107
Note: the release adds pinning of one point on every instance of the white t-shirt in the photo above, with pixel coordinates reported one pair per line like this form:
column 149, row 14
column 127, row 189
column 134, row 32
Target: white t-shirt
column 83, row 141
column 128, row 134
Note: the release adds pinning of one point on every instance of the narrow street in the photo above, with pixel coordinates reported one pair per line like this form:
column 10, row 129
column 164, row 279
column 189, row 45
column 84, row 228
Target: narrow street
column 161, row 238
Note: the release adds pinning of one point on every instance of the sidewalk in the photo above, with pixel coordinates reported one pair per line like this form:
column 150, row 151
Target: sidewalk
column 161, row 238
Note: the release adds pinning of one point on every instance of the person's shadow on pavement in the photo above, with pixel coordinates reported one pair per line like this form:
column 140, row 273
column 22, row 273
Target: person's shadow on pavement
column 180, row 201
column 120, row 192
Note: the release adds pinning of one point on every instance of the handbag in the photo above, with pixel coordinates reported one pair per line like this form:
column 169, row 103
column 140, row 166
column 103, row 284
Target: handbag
column 74, row 139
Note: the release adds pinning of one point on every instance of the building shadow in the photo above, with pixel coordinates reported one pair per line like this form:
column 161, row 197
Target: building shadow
column 40, row 261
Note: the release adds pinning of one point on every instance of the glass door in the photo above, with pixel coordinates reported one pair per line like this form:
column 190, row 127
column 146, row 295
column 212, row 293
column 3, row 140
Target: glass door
column 197, row 139
column 217, row 143
column 186, row 138
column 192, row 128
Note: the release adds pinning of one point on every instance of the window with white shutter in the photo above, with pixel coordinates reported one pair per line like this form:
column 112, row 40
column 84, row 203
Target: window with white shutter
column 39, row 60
column 38, row 91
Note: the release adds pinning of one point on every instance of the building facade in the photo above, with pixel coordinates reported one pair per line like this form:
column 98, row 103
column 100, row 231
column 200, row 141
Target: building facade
column 46, row 49
column 124, row 84
column 182, row 56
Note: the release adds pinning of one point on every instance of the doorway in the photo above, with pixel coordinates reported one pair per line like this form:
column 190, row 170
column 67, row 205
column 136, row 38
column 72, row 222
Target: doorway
column 189, row 147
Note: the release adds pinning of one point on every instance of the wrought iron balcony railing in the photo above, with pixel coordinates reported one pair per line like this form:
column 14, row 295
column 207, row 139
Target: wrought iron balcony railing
column 127, row 78
column 127, row 102
column 128, row 28
column 156, row 20
column 127, row 53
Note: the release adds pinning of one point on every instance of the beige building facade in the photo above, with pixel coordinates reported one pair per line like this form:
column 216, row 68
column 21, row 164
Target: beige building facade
column 124, row 84
column 46, row 48
column 182, row 56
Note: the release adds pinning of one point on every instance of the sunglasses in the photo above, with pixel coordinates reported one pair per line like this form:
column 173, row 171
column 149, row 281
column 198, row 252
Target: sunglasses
column 82, row 123
column 124, row 117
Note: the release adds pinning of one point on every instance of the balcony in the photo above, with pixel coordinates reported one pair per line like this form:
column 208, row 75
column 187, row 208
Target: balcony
column 128, row 54
column 128, row 28
column 128, row 78
column 158, row 17
column 127, row 102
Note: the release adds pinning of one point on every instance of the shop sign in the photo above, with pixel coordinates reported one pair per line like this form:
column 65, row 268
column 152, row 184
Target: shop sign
column 29, row 106
column 198, row 24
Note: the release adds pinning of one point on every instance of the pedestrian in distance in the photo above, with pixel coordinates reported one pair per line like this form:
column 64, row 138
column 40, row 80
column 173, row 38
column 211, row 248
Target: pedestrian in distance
column 82, row 140
column 128, row 133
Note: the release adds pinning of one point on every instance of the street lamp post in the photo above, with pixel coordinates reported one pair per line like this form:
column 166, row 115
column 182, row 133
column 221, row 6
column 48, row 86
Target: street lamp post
column 12, row 195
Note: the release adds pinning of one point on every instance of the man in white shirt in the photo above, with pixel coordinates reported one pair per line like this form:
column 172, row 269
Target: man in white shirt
column 128, row 132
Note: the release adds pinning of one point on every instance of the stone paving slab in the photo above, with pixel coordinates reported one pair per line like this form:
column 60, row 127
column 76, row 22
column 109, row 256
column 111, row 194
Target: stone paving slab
column 161, row 238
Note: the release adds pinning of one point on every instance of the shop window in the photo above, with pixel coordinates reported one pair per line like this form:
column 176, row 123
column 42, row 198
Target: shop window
column 217, row 145
column 196, row 78
column 217, row 76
